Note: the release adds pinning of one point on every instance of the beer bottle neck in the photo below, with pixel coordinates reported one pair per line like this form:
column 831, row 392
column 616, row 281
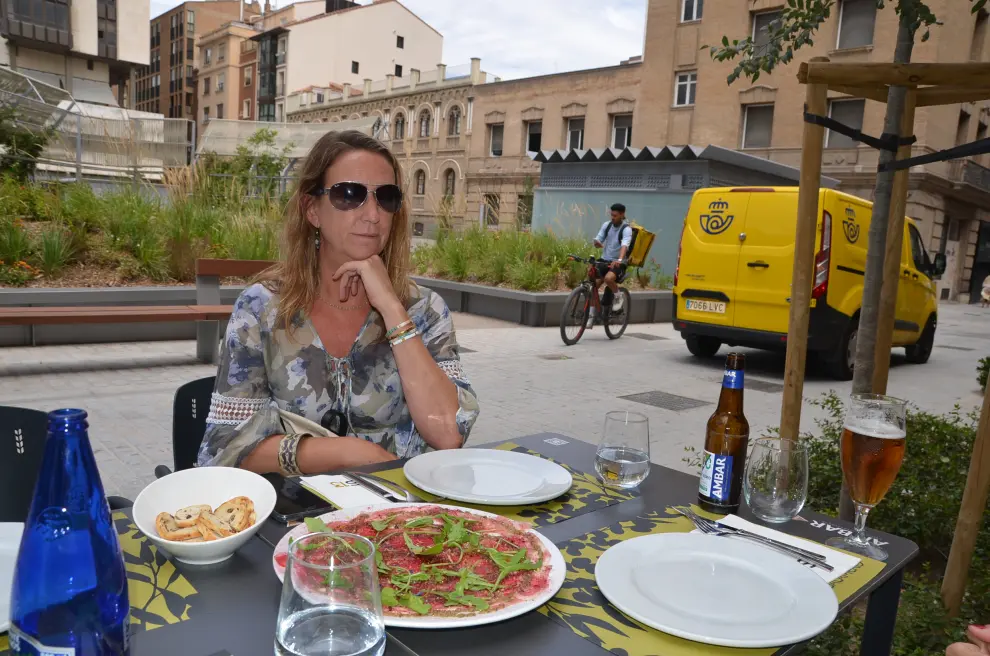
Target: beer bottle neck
column 730, row 401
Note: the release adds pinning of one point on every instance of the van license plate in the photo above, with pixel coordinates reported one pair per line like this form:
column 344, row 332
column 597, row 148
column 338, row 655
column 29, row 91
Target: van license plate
column 715, row 307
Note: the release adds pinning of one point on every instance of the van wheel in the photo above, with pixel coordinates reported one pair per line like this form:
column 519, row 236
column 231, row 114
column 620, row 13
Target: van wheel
column 701, row 346
column 919, row 352
column 840, row 362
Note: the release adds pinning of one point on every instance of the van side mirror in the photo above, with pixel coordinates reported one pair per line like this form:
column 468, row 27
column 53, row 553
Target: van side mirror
column 938, row 266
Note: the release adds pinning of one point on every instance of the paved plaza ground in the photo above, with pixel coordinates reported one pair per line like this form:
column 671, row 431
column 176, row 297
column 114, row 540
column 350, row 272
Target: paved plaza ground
column 527, row 380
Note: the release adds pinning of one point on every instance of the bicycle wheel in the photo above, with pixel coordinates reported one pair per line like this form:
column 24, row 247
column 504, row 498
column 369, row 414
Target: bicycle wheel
column 616, row 322
column 574, row 317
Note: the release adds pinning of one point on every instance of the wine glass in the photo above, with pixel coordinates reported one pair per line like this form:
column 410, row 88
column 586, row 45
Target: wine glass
column 872, row 446
column 623, row 456
column 331, row 604
column 776, row 480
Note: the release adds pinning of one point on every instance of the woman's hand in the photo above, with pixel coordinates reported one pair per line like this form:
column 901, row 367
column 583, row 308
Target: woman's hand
column 979, row 644
column 373, row 276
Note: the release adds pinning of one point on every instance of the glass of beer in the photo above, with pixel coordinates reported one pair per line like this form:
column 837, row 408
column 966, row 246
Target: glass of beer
column 872, row 449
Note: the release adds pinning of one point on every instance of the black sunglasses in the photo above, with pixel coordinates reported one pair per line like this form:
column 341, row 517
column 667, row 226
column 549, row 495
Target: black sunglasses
column 347, row 196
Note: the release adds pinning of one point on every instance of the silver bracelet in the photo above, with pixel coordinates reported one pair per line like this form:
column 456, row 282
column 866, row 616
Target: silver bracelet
column 398, row 340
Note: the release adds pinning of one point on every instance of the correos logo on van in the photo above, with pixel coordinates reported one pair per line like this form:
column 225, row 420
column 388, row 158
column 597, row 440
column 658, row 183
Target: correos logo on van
column 718, row 219
column 849, row 226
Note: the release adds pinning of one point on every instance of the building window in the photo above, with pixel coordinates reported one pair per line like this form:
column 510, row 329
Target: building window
column 691, row 10
column 979, row 36
column 850, row 114
column 221, row 79
column 420, row 183
column 189, row 49
column 400, row 41
column 856, row 21
column 206, row 85
column 248, row 75
column 220, row 110
column 221, row 52
column 761, row 28
column 319, row 97
column 207, row 56
column 424, row 123
column 399, row 131
column 489, row 210
column 495, row 134
column 621, row 130
column 449, row 182
column 534, row 136
column 280, row 87
column 757, row 126
column 524, row 212
column 355, row 67
column 962, row 128
column 575, row 133
column 981, row 131
column 418, row 228
column 246, row 109
column 398, row 70
column 687, row 84
column 206, row 113
column 280, row 112
column 190, row 23
column 454, row 122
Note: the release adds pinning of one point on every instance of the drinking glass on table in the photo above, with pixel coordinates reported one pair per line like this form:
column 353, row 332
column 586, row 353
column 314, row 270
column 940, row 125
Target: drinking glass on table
column 623, row 456
column 776, row 480
column 872, row 449
column 331, row 604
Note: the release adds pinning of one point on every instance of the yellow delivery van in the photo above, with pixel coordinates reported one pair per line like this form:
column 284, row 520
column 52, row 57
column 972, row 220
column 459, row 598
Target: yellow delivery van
column 732, row 283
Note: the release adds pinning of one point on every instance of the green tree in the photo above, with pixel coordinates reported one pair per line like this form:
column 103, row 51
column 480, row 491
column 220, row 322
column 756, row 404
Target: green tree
column 795, row 28
column 19, row 146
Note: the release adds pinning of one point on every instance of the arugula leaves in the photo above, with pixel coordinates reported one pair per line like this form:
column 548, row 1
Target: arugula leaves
column 456, row 599
column 511, row 562
column 426, row 520
column 390, row 597
column 316, row 525
column 336, row 579
column 433, row 550
column 381, row 524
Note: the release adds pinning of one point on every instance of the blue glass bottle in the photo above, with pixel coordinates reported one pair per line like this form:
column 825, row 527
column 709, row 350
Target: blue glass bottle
column 70, row 591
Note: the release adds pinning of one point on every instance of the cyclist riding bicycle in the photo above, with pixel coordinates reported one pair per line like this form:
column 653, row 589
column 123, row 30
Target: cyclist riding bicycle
column 615, row 237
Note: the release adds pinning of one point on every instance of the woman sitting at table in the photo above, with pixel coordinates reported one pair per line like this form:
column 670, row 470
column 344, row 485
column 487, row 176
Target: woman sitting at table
column 337, row 333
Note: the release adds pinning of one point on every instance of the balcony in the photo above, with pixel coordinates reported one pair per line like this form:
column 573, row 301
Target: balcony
column 969, row 172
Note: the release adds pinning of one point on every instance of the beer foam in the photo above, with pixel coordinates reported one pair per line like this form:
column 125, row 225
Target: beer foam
column 873, row 428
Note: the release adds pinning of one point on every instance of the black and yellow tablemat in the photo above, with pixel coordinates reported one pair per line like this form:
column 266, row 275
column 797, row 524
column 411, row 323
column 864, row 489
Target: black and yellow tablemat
column 586, row 495
column 158, row 593
column 581, row 607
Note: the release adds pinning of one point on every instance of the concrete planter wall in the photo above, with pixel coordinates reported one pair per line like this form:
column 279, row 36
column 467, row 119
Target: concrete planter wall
column 536, row 308
column 526, row 308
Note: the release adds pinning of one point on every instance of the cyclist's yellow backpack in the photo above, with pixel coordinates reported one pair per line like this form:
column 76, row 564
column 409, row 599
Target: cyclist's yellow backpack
column 642, row 242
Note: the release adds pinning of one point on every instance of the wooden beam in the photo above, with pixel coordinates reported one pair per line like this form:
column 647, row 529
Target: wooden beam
column 970, row 514
column 950, row 95
column 231, row 268
column 906, row 75
column 892, row 256
column 804, row 254
column 870, row 92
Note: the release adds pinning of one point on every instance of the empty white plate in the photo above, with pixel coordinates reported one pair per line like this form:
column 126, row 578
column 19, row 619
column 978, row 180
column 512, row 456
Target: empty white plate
column 488, row 476
column 10, row 541
column 716, row 590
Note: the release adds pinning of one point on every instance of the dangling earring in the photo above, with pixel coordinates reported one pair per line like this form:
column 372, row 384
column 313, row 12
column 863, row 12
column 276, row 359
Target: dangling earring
column 316, row 240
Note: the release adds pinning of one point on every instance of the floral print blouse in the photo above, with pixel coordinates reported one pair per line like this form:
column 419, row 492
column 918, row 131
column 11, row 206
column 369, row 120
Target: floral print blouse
column 265, row 368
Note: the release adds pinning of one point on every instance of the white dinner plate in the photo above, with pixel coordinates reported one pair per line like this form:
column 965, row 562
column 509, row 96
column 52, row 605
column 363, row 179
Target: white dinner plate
column 714, row 590
column 488, row 476
column 10, row 541
column 558, row 568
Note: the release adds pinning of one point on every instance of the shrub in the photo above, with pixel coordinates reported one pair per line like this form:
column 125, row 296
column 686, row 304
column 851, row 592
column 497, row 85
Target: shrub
column 982, row 372
column 16, row 274
column 15, row 244
column 150, row 258
column 54, row 249
column 530, row 275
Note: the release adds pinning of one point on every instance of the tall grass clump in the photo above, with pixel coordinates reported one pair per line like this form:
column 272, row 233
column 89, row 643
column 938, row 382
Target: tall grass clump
column 54, row 250
column 15, row 245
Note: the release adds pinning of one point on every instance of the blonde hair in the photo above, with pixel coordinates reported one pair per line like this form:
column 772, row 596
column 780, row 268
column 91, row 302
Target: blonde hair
column 296, row 277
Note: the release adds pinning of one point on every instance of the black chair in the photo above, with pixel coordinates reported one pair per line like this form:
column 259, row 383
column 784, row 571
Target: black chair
column 189, row 410
column 22, row 448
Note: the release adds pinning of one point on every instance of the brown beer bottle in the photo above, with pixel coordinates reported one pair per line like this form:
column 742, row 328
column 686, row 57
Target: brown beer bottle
column 726, row 440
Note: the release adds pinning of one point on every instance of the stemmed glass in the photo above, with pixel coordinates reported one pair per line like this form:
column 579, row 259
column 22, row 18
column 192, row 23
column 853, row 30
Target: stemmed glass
column 776, row 481
column 331, row 604
column 872, row 449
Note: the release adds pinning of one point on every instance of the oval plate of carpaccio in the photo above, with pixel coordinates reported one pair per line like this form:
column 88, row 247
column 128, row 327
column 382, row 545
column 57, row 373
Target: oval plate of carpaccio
column 442, row 567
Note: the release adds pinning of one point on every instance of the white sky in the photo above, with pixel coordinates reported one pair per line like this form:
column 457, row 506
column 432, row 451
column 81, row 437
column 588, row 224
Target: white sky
column 521, row 38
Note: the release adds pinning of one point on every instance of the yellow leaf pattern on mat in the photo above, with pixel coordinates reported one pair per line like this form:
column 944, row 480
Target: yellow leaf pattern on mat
column 586, row 495
column 581, row 607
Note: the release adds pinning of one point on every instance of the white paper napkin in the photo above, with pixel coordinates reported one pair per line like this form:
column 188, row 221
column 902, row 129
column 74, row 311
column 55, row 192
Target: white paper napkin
column 340, row 491
column 842, row 562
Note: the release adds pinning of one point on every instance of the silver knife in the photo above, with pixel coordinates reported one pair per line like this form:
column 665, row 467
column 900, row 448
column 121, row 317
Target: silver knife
column 377, row 489
column 379, row 486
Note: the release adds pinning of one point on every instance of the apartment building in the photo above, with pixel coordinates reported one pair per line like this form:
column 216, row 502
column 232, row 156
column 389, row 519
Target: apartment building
column 223, row 85
column 691, row 102
column 82, row 46
column 467, row 139
column 167, row 85
column 346, row 43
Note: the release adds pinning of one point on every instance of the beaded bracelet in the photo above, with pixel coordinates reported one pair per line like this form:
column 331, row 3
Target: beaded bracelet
column 402, row 333
column 401, row 338
column 402, row 327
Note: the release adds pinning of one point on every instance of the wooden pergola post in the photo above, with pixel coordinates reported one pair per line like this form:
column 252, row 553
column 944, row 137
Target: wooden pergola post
column 804, row 256
column 892, row 255
column 970, row 514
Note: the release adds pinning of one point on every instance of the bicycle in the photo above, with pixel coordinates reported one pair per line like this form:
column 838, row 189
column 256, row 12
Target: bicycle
column 574, row 318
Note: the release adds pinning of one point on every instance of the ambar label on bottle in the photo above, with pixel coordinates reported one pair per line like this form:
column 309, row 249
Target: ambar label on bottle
column 733, row 379
column 716, row 477
column 23, row 644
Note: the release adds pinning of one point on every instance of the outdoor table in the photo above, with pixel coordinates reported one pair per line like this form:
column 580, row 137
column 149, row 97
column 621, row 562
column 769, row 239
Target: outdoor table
column 231, row 608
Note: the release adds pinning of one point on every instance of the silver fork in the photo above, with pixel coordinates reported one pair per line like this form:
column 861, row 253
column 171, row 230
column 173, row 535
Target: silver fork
column 711, row 528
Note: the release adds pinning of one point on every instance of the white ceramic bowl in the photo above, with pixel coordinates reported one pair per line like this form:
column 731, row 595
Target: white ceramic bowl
column 202, row 485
